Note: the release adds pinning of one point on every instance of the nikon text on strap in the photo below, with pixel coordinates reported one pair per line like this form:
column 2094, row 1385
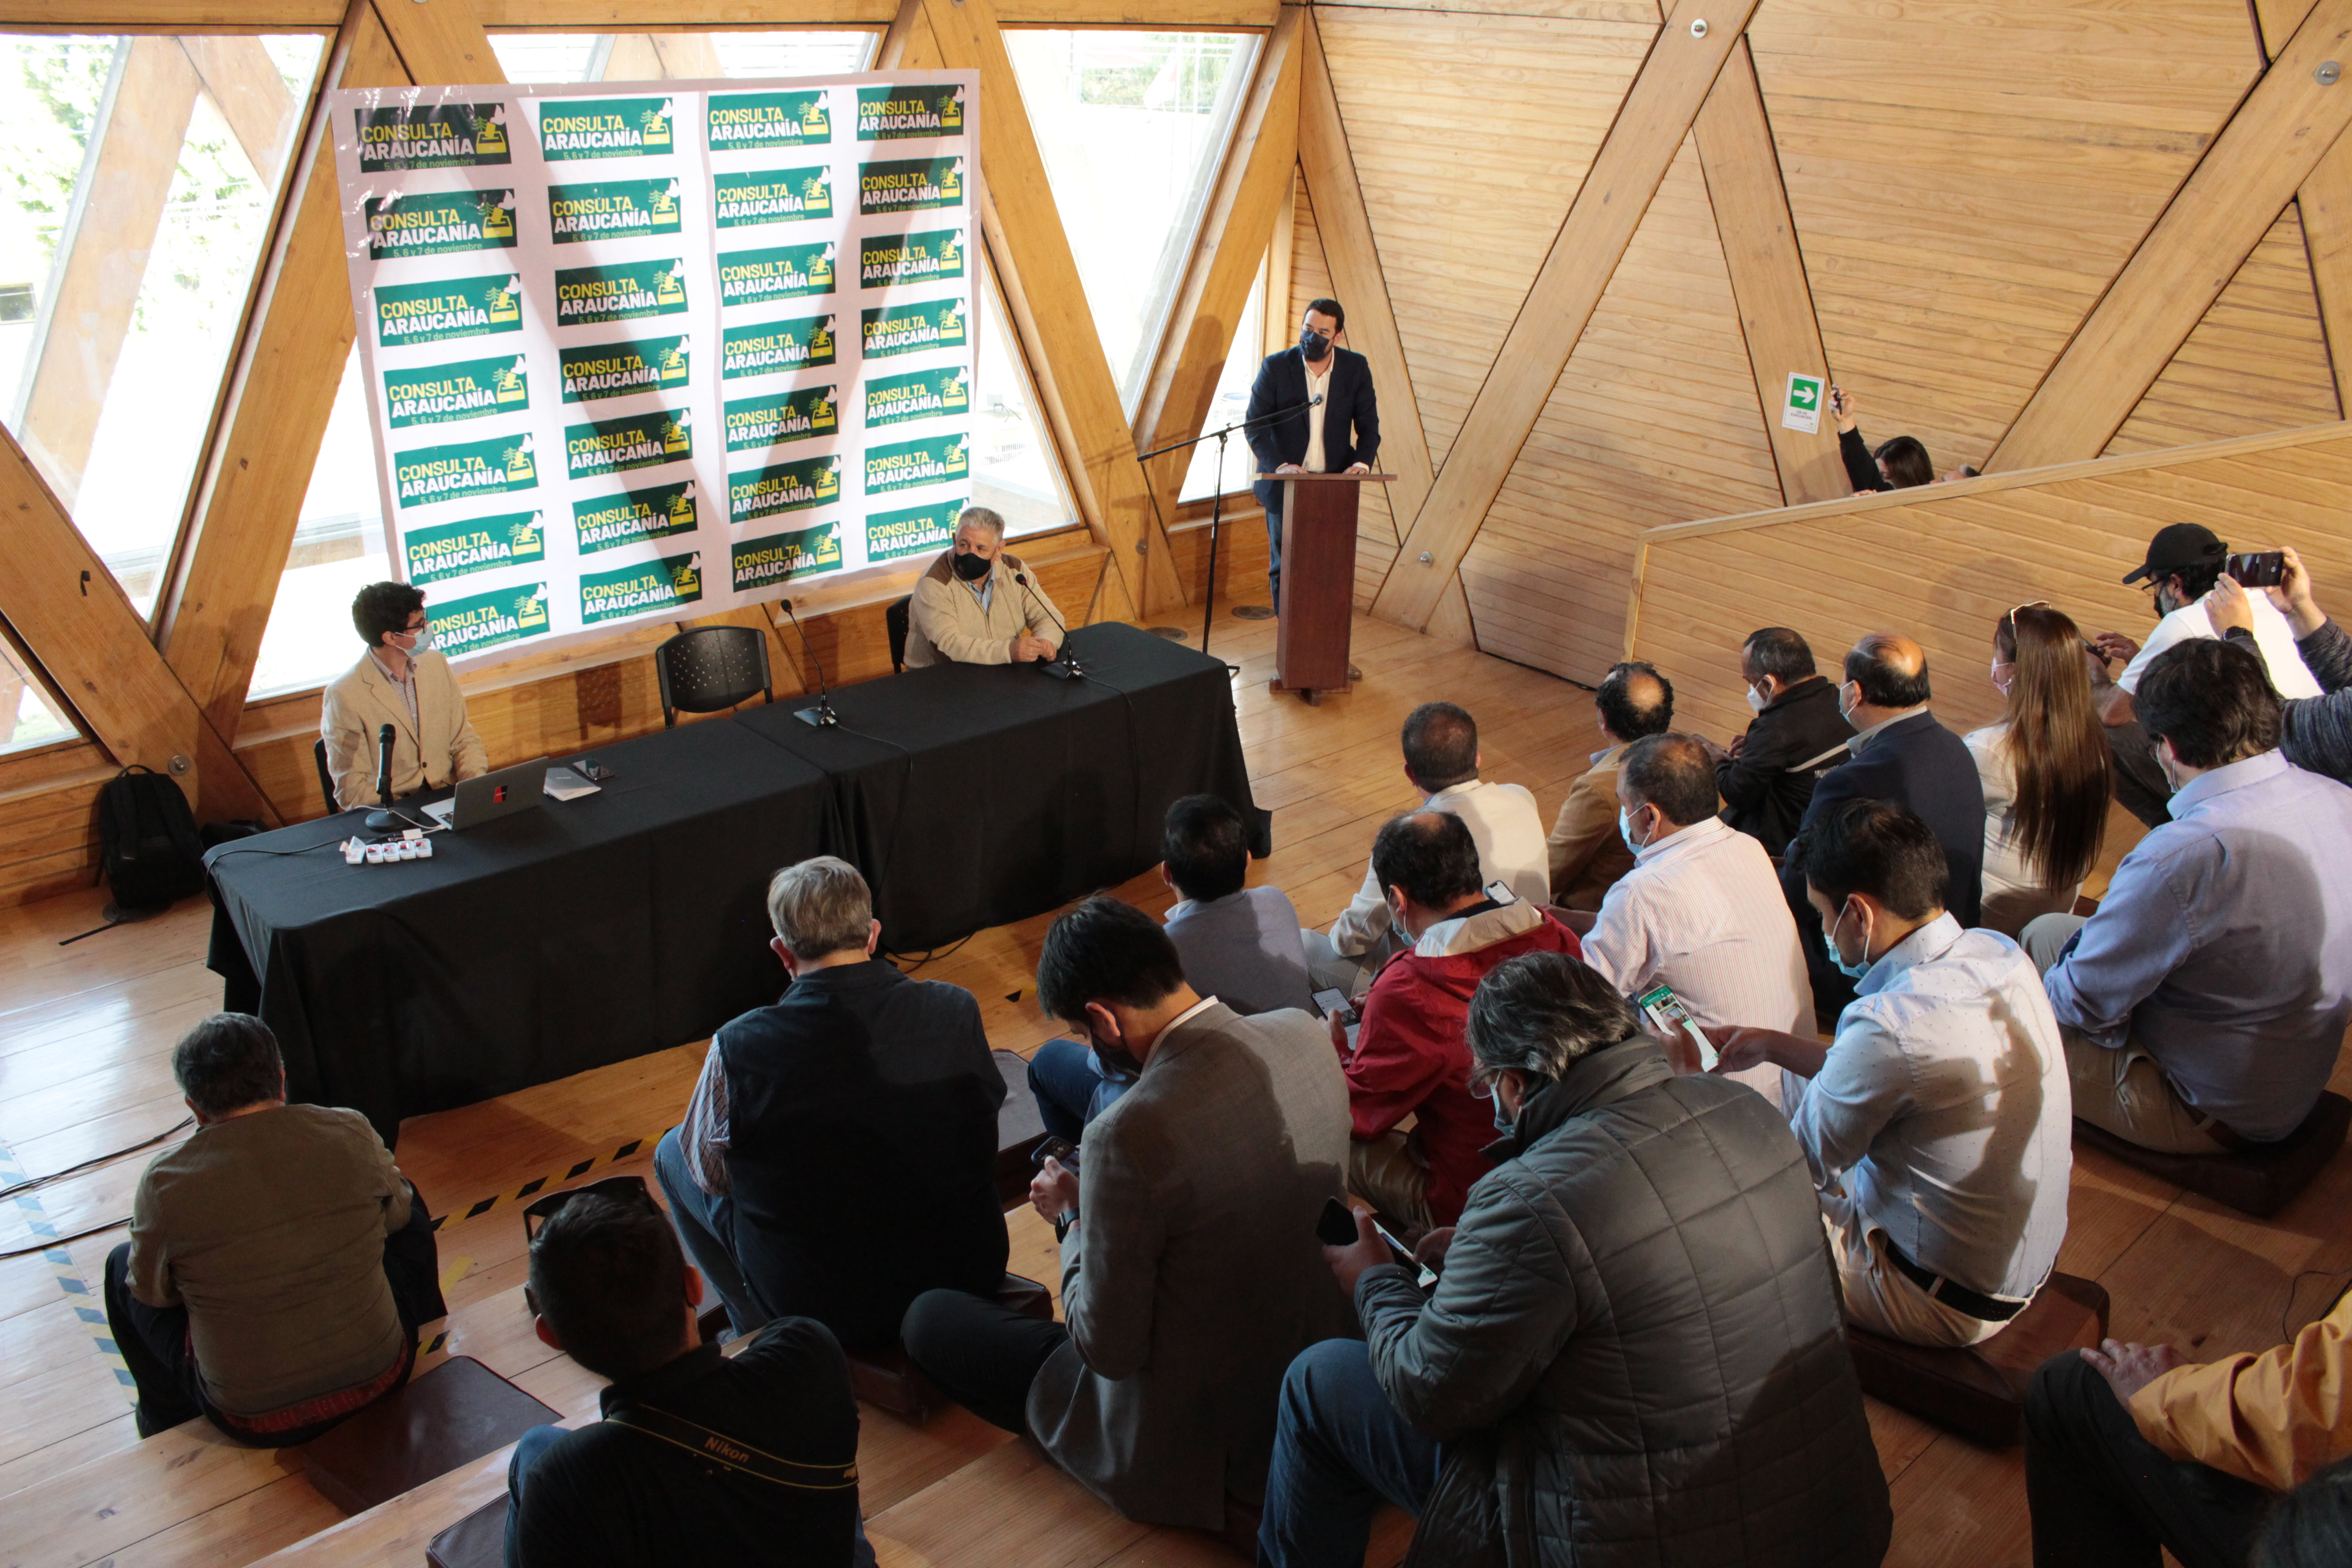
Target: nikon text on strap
column 725, row 1451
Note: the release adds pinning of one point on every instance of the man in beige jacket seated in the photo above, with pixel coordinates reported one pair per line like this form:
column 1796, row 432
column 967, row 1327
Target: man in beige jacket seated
column 967, row 609
column 400, row 681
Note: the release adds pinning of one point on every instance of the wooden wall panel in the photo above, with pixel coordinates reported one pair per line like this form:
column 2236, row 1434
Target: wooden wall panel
column 1967, row 181
column 1375, row 530
column 1654, row 421
column 1944, row 567
column 2257, row 361
column 1471, row 134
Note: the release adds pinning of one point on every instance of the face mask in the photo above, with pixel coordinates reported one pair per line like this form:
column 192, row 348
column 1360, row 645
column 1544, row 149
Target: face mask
column 1994, row 676
column 1503, row 1121
column 1625, row 831
column 1313, row 344
column 1845, row 712
column 1859, row 968
column 421, row 640
column 1114, row 1058
column 970, row 568
column 1756, row 701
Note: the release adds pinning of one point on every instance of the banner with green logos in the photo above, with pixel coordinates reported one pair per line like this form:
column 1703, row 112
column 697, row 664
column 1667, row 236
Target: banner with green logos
column 615, row 340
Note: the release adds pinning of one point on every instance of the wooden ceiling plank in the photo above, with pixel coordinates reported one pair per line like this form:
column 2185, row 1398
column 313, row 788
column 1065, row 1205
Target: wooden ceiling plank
column 1657, row 113
column 1228, row 258
column 1768, row 275
column 2270, row 146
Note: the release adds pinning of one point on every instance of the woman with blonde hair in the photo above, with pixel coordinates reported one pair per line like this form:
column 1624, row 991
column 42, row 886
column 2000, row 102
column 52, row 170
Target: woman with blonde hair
column 2044, row 768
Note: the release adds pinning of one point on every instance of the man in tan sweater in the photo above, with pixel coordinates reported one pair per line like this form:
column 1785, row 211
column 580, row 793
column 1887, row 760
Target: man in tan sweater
column 279, row 1263
column 400, row 681
column 971, row 608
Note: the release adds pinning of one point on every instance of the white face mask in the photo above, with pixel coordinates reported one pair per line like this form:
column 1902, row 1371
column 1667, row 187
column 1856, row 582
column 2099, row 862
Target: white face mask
column 1845, row 712
column 1994, row 675
column 1756, row 701
column 420, row 640
column 1625, row 831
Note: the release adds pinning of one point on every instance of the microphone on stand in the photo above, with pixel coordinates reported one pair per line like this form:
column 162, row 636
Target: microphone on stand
column 822, row 715
column 1065, row 667
column 385, row 819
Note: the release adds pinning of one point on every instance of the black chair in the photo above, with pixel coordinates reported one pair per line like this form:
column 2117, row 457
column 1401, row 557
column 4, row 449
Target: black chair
column 326, row 778
column 712, row 668
column 894, row 618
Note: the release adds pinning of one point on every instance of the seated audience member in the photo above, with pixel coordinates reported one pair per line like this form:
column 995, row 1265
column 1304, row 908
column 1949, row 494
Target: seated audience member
column 1767, row 777
column 701, row 1457
column 2139, row 783
column 278, row 1264
column 2205, row 1001
column 2044, row 770
column 402, row 682
column 1190, row 1271
column 2315, row 732
column 2131, row 1448
column 1410, row 1057
column 969, row 608
column 1633, row 1351
column 1896, row 465
column 1440, row 758
column 1585, row 852
column 1238, row 944
column 1900, row 754
column 1701, row 910
column 2184, row 562
column 860, row 1073
column 1936, row 1123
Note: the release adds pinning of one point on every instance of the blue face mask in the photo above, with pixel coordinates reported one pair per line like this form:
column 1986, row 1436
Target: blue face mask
column 1625, row 831
column 1503, row 1122
column 1855, row 971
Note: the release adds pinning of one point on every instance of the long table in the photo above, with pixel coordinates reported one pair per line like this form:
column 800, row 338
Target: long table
column 634, row 920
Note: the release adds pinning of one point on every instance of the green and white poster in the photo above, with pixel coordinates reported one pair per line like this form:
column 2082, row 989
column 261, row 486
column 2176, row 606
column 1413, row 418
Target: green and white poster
column 615, row 338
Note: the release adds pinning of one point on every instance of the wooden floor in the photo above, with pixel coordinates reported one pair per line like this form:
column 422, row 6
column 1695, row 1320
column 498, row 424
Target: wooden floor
column 86, row 1031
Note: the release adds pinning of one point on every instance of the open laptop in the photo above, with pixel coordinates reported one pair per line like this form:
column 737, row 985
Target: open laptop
column 491, row 797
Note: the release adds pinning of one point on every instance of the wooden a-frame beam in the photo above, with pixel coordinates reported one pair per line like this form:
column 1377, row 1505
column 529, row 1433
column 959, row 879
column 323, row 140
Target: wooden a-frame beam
column 283, row 387
column 1031, row 253
column 2281, row 132
column 1768, row 274
column 2325, row 204
column 76, row 623
column 1227, row 258
column 1656, row 113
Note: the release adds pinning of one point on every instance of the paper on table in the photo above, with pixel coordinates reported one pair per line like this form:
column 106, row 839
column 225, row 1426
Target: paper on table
column 562, row 784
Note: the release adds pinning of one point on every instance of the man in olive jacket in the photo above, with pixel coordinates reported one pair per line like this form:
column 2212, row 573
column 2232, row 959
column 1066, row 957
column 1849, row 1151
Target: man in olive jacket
column 1633, row 1355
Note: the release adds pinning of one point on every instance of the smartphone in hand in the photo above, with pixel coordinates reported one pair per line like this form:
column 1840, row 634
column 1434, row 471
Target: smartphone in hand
column 2257, row 568
column 1336, row 1225
column 1666, row 1010
column 1055, row 1149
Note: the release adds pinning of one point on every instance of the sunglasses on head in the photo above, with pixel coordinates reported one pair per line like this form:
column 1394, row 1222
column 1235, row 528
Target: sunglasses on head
column 630, row 1190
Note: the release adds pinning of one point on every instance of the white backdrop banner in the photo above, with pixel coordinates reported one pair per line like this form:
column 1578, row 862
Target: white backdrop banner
column 645, row 351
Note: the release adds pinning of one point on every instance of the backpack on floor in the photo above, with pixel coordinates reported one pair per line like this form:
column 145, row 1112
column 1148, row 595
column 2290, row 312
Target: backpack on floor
column 148, row 844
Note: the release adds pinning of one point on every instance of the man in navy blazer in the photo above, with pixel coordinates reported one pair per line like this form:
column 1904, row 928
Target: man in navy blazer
column 1338, row 433
column 1900, row 754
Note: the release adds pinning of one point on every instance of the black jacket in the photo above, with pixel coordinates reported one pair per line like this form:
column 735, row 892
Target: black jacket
column 1915, row 763
column 1634, row 1355
column 1861, row 464
column 1351, row 416
column 1765, row 792
column 861, row 1150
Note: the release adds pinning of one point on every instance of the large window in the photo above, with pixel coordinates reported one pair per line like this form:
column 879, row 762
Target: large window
column 338, row 550
column 30, row 716
column 1201, row 478
column 138, row 177
column 678, row 56
column 1013, row 466
column 1133, row 127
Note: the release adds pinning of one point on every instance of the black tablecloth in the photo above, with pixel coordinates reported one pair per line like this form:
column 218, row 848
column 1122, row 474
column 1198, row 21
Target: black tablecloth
column 634, row 920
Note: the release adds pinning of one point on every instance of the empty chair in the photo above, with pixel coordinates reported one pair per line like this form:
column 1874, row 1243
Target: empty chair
column 712, row 668
column 326, row 775
column 894, row 618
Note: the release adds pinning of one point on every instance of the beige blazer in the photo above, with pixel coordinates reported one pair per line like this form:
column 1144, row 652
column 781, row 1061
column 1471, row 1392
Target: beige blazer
column 1194, row 1276
column 361, row 701
column 946, row 624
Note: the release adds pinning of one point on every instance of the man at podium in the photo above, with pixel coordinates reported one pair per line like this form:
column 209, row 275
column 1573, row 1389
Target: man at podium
column 1311, row 411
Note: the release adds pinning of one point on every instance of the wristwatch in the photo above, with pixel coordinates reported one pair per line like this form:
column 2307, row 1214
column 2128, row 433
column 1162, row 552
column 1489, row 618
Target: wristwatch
column 1063, row 1222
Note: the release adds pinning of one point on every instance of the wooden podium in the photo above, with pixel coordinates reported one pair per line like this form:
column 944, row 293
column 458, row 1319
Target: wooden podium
column 1318, row 580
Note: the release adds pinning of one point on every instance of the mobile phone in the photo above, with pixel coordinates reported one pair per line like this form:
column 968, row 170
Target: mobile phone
column 2258, row 568
column 1334, row 1004
column 1056, row 1149
column 1336, row 1225
column 1664, row 1010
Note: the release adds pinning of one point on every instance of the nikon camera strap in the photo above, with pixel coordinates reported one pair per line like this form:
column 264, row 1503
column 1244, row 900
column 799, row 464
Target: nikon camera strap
column 726, row 1452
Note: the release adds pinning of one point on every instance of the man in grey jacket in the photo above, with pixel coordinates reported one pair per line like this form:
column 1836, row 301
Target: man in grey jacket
column 1191, row 1274
column 1632, row 1353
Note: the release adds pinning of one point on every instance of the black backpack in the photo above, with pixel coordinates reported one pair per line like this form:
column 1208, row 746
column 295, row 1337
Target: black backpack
column 147, row 839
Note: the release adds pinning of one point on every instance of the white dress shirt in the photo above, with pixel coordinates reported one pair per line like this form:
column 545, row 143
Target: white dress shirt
column 1942, row 1115
column 1702, row 911
column 1318, row 389
column 1509, row 832
column 2273, row 638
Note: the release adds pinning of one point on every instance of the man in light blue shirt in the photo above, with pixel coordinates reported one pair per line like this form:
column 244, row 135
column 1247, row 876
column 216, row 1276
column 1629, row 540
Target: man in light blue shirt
column 2205, row 1003
column 1938, row 1121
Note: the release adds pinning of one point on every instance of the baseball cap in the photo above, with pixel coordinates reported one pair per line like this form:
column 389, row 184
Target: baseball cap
column 2178, row 547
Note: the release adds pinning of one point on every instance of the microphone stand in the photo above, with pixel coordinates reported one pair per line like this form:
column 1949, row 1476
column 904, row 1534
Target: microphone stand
column 1217, row 502
column 822, row 716
column 1066, row 668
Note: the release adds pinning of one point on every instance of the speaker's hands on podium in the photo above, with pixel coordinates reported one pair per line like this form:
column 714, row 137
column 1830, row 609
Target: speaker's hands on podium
column 1360, row 467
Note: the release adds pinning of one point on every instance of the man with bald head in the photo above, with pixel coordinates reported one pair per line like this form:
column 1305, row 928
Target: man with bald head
column 1587, row 851
column 1900, row 754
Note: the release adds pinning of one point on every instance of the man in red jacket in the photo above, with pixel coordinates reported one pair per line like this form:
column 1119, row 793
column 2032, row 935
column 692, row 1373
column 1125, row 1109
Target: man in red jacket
column 1411, row 1058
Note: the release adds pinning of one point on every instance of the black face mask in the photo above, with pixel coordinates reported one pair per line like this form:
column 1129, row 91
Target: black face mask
column 1115, row 1059
column 1313, row 344
column 970, row 568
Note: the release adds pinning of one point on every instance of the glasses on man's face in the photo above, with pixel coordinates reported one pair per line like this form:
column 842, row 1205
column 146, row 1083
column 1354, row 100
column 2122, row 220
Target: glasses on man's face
column 629, row 1190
